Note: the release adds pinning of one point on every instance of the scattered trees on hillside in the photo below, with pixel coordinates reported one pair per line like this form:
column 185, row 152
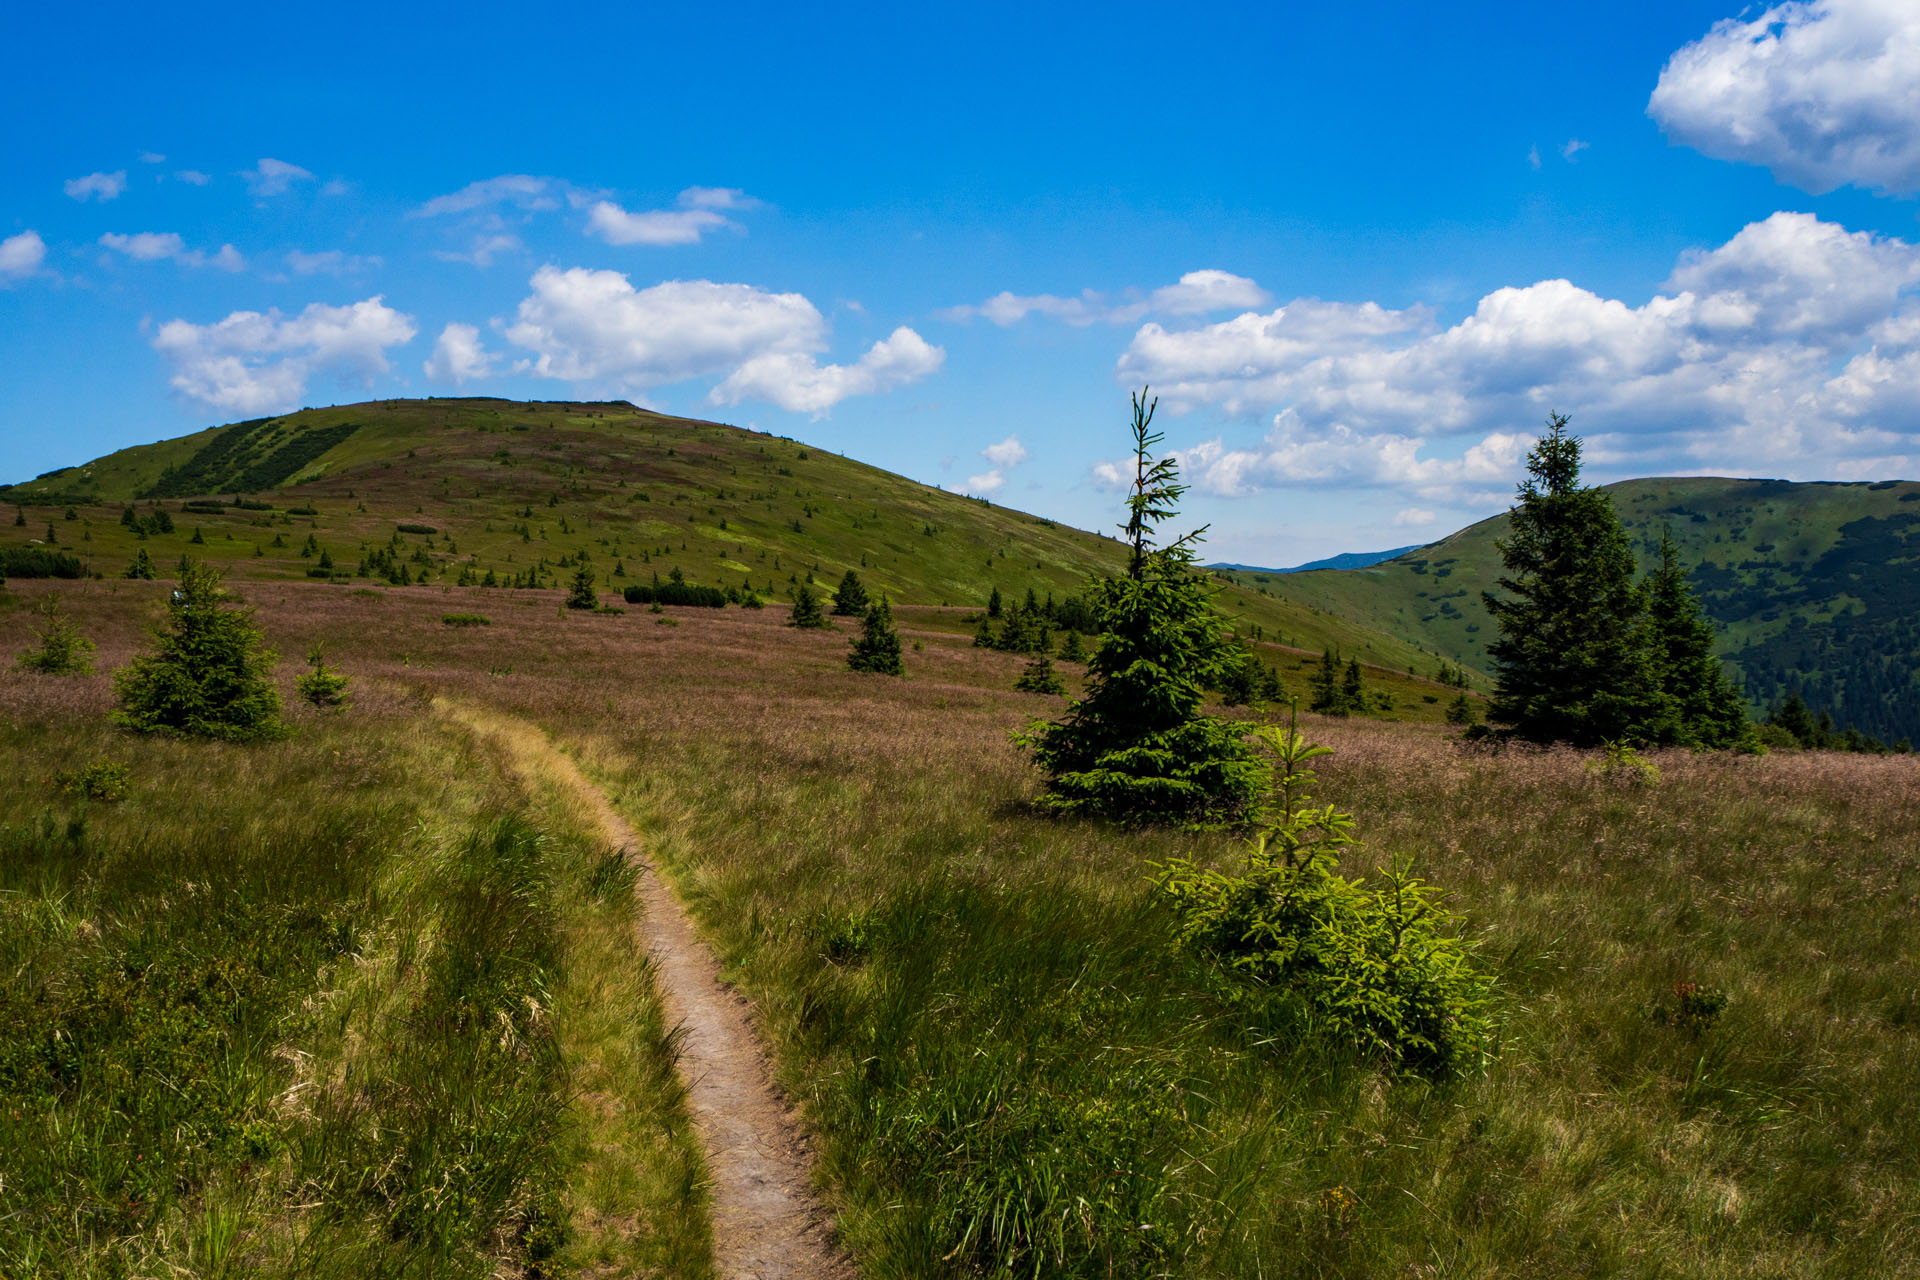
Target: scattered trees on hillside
column 1586, row 654
column 1135, row 747
column 207, row 675
column 1334, row 691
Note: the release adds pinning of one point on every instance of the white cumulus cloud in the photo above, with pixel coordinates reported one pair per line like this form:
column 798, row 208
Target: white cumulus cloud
column 270, row 177
column 193, row 177
column 521, row 190
column 163, row 246
column 1002, row 457
column 98, row 186
column 593, row 326
column 21, row 255
column 1823, row 94
column 254, row 362
column 459, row 357
column 1794, row 348
column 696, row 215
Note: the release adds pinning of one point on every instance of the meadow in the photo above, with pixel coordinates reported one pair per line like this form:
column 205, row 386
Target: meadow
column 1008, row 1063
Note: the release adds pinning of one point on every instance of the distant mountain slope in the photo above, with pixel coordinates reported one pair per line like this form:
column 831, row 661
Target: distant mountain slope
column 1345, row 560
column 1814, row 586
column 508, row 487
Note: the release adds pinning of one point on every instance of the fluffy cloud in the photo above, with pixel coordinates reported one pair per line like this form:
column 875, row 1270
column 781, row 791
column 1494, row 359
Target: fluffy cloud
column 1197, row 293
column 1794, row 348
column 272, row 177
column 1413, row 517
column 797, row 383
column 252, row 363
column 484, row 248
column 1003, row 457
column 1823, row 93
column 192, row 177
column 21, row 255
column 98, row 186
column 163, row 246
column 594, row 326
column 696, row 216
column 458, row 356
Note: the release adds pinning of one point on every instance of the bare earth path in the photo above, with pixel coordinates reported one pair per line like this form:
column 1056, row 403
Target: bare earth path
column 767, row 1224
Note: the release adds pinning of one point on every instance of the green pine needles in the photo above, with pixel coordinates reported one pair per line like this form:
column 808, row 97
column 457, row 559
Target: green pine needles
column 806, row 612
column 1135, row 747
column 1586, row 654
column 582, row 595
column 1383, row 968
column 207, row 675
column 877, row 647
column 324, row 688
column 850, row 597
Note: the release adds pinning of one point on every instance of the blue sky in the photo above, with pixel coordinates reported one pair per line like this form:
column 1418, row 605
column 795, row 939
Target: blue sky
column 1360, row 255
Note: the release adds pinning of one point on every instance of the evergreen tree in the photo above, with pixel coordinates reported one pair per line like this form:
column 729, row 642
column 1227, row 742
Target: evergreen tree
column 1460, row 710
column 1353, row 692
column 207, row 675
column 1707, row 710
column 583, row 596
column 323, row 687
column 142, row 566
column 1239, row 676
column 1039, row 677
column 1135, row 747
column 1570, row 662
column 806, row 610
column 1072, row 649
column 850, row 597
column 63, row 650
column 877, row 647
column 993, row 602
column 1323, row 688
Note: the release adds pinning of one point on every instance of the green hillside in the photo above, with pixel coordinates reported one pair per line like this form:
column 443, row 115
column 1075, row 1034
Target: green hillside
column 526, row 491
column 1814, row 586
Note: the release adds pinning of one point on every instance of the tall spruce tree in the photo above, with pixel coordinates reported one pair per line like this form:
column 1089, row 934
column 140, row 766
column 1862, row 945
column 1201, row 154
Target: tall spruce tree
column 1571, row 663
column 1705, row 708
column 1135, row 746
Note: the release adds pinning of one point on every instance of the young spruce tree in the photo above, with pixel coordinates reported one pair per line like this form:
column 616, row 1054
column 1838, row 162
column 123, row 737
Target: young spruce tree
column 850, row 597
column 806, row 610
column 207, row 675
column 1570, row 661
column 1136, row 747
column 877, row 647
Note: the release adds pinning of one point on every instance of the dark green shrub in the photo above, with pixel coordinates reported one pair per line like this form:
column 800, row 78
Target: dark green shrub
column 1383, row 968
column 877, row 647
column 417, row 528
column 466, row 620
column 38, row 562
column 676, row 590
column 207, row 675
column 63, row 650
column 101, row 780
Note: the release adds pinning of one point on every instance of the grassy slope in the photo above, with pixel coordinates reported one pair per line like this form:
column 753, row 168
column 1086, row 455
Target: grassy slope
column 470, row 468
column 972, row 1002
column 1757, row 547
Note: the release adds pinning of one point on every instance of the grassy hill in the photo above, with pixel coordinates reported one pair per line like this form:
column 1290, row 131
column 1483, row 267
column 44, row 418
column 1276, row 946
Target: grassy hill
column 1814, row 586
column 445, row 491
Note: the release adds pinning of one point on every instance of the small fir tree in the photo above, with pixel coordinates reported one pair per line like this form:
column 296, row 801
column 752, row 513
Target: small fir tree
column 1570, row 662
column 850, row 597
column 1136, row 747
column 582, row 595
column 1324, row 687
column 994, row 606
column 806, row 612
column 1072, row 649
column 323, row 687
column 1353, row 689
column 877, row 647
column 63, row 650
column 1460, row 711
column 207, row 675
column 1038, row 676
column 142, row 566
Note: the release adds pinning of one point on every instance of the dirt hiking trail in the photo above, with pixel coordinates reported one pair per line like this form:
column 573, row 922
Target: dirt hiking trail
column 767, row 1223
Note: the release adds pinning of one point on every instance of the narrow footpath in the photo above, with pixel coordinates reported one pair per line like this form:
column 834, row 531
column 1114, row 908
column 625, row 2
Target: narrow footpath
column 767, row 1223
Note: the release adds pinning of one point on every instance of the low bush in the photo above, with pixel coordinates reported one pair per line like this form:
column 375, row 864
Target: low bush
column 466, row 620
column 101, row 780
column 417, row 528
column 38, row 562
column 676, row 590
column 1383, row 968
